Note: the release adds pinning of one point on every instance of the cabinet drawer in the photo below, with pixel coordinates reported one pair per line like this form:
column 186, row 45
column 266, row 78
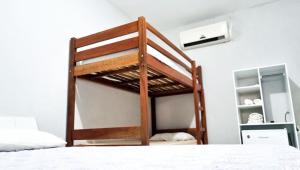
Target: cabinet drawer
column 277, row 137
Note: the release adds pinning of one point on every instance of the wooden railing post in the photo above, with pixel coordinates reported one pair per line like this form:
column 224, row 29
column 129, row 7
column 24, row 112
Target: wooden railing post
column 71, row 94
column 196, row 103
column 143, row 80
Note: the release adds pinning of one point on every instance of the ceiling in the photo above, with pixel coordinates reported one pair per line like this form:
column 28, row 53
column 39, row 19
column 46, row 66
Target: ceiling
column 166, row 14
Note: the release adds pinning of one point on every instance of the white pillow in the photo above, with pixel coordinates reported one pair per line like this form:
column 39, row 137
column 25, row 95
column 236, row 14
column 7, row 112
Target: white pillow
column 17, row 139
column 178, row 136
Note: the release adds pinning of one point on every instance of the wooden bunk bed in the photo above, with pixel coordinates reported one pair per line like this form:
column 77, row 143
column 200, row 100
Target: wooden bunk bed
column 138, row 72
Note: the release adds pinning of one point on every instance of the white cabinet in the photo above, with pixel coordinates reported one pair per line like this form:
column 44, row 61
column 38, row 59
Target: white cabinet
column 274, row 137
column 270, row 86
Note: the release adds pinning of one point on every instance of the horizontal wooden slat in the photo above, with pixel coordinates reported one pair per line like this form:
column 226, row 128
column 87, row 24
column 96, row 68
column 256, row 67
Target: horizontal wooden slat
column 107, row 34
column 149, row 78
column 126, row 69
column 107, row 49
column 168, row 71
column 107, row 133
column 106, row 65
column 112, row 84
column 168, row 42
column 163, row 85
column 168, row 55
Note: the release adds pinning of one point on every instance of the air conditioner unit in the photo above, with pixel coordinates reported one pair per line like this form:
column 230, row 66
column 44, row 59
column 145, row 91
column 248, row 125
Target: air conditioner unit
column 205, row 35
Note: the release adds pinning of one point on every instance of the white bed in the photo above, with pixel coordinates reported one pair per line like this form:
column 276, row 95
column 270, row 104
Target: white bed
column 155, row 157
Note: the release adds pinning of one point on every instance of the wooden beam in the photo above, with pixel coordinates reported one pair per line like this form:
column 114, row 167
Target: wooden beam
column 168, row 71
column 112, row 84
column 71, row 94
column 123, row 70
column 143, row 80
column 107, row 34
column 107, row 133
column 149, row 78
column 107, row 49
column 168, row 42
column 153, row 115
column 172, row 92
column 105, row 65
column 169, row 55
column 203, row 107
column 196, row 103
column 163, row 85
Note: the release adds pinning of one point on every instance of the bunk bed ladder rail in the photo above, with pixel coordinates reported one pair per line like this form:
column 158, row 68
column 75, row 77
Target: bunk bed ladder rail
column 203, row 125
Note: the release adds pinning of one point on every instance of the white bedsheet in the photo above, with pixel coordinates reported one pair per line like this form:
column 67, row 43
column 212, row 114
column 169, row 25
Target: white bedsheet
column 189, row 157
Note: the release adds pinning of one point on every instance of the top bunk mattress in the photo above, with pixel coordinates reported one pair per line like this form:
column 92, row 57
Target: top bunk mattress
column 150, row 51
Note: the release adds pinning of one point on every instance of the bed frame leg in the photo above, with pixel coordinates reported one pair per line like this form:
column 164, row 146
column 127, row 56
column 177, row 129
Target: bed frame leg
column 71, row 95
column 203, row 108
column 196, row 103
column 143, row 80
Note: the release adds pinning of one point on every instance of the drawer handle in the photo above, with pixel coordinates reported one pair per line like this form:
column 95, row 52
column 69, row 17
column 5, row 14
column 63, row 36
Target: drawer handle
column 263, row 137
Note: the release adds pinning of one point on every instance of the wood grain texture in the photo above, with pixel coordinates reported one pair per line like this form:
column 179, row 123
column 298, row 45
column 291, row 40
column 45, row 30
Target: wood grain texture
column 149, row 78
column 113, row 84
column 105, row 65
column 143, row 80
column 168, row 42
column 196, row 103
column 107, row 49
column 107, row 133
column 168, row 55
column 71, row 94
column 203, row 107
column 107, row 34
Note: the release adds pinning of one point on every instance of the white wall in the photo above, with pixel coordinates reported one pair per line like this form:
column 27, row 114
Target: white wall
column 34, row 47
column 262, row 35
column 34, row 54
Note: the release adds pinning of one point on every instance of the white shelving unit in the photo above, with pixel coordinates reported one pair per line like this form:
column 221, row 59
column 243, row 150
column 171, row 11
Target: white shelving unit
column 271, row 85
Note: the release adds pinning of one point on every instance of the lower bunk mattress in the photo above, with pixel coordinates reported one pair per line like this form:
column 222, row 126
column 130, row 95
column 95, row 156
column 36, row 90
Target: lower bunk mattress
column 176, row 157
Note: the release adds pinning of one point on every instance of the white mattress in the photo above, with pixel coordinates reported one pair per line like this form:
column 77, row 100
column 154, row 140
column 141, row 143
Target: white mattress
column 190, row 157
column 151, row 51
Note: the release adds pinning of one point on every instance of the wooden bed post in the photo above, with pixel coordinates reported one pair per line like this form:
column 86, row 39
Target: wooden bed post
column 143, row 80
column 71, row 94
column 153, row 115
column 196, row 102
column 203, row 108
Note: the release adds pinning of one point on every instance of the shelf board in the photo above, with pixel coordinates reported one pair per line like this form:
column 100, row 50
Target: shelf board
column 266, row 124
column 249, row 106
column 247, row 89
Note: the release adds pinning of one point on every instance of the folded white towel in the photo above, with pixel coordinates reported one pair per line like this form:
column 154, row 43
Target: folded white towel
column 255, row 118
column 248, row 102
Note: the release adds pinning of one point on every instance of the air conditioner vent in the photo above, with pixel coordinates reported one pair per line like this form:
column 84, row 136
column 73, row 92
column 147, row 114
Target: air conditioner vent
column 204, row 41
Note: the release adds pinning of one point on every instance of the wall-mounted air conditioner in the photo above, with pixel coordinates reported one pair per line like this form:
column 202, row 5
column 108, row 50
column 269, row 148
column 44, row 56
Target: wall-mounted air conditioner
column 205, row 35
